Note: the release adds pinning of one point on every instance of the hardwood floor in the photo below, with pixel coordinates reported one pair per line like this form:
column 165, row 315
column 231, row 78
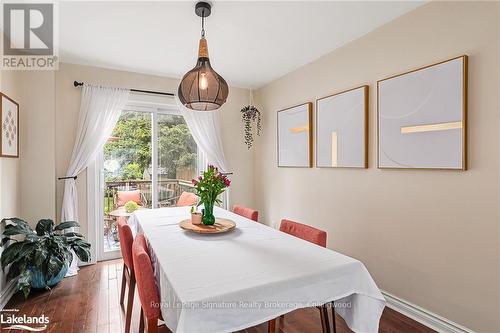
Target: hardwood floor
column 89, row 302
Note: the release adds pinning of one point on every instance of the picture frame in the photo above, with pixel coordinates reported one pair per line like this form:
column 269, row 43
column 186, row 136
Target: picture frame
column 9, row 127
column 294, row 136
column 342, row 129
column 422, row 117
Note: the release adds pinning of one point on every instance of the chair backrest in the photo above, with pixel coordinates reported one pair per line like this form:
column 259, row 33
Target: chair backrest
column 187, row 199
column 126, row 240
column 146, row 285
column 249, row 213
column 122, row 197
column 304, row 232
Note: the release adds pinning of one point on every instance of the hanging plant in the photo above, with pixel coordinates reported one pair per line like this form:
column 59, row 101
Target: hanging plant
column 250, row 116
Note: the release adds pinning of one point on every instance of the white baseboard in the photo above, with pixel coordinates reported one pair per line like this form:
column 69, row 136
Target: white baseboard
column 423, row 316
column 7, row 293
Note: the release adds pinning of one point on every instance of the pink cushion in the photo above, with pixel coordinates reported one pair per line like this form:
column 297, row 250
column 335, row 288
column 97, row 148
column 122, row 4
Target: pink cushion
column 187, row 199
column 122, row 197
column 304, row 232
column 249, row 213
column 126, row 240
column 146, row 285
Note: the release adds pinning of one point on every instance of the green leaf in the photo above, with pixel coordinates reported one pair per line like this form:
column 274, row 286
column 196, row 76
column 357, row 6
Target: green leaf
column 73, row 234
column 54, row 266
column 82, row 253
column 24, row 282
column 17, row 229
column 66, row 225
column 9, row 254
column 39, row 257
column 5, row 240
column 27, row 249
column 44, row 227
column 15, row 220
column 15, row 270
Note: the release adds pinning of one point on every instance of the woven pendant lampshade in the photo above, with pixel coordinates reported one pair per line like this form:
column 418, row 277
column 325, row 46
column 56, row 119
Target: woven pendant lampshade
column 201, row 88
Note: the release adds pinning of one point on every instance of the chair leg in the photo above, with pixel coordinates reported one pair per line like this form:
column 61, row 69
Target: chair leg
column 325, row 321
column 130, row 303
column 327, row 318
column 333, row 318
column 124, row 282
column 141, row 322
column 271, row 326
column 152, row 325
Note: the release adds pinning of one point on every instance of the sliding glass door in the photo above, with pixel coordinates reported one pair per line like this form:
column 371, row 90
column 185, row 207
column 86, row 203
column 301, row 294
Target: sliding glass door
column 177, row 159
column 147, row 162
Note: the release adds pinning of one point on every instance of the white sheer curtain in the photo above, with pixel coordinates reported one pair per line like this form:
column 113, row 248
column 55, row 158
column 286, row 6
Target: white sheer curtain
column 205, row 129
column 100, row 109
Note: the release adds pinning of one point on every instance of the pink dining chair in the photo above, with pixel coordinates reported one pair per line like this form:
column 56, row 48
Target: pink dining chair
column 146, row 286
column 304, row 232
column 249, row 213
column 128, row 275
column 318, row 237
column 187, row 199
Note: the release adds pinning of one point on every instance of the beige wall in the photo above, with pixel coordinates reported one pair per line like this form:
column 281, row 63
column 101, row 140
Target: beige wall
column 9, row 170
column 68, row 105
column 37, row 163
column 28, row 183
column 9, row 167
column 430, row 237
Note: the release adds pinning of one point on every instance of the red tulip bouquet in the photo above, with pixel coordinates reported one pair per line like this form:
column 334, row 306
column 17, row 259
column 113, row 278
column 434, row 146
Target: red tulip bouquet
column 209, row 186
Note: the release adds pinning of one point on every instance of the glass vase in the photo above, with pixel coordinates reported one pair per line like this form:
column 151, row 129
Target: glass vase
column 208, row 217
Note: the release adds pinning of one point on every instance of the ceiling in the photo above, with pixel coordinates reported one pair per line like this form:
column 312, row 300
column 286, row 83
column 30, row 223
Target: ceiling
column 250, row 43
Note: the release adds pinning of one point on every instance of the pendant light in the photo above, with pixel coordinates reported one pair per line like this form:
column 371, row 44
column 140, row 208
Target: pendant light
column 201, row 88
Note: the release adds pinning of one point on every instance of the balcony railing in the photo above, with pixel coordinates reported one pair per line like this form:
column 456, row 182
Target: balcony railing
column 169, row 191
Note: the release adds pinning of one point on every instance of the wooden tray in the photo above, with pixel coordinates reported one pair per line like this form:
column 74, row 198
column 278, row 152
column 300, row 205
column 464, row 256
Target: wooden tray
column 220, row 226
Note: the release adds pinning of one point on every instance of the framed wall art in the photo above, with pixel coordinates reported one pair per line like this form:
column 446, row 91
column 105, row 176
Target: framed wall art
column 342, row 129
column 422, row 117
column 295, row 136
column 9, row 131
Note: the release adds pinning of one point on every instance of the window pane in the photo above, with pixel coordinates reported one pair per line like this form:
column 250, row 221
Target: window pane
column 177, row 159
column 127, row 159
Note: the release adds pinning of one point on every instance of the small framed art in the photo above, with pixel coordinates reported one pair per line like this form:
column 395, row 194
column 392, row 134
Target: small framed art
column 9, row 130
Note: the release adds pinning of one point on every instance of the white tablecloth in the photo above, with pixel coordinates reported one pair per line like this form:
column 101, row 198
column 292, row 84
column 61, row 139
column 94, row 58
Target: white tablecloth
column 227, row 282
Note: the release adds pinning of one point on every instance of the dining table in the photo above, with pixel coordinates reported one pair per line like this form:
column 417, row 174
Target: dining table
column 254, row 273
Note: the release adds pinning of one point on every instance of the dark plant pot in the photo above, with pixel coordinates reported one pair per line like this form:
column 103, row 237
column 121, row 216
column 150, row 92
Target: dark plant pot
column 38, row 281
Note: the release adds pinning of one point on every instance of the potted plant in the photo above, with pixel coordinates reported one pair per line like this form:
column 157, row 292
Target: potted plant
column 209, row 186
column 131, row 206
column 250, row 115
column 195, row 216
column 40, row 258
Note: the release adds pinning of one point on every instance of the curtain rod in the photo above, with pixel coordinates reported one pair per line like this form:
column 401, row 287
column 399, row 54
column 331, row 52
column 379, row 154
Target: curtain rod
column 78, row 84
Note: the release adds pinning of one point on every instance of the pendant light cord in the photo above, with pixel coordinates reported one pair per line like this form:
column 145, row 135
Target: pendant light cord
column 203, row 23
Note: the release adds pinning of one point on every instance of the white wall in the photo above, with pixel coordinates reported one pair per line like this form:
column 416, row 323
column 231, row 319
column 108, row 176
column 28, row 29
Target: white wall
column 430, row 237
